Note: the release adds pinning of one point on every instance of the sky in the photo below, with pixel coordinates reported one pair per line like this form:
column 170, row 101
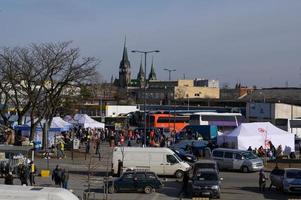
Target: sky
column 255, row 42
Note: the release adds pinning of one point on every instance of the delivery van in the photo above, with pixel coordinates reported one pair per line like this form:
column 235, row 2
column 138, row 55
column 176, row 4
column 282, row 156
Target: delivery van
column 162, row 161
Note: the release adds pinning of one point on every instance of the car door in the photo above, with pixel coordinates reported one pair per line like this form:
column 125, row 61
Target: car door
column 157, row 162
column 218, row 156
column 228, row 160
column 170, row 164
column 126, row 182
column 238, row 161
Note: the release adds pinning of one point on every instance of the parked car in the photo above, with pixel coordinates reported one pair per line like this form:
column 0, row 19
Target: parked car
column 287, row 179
column 233, row 159
column 187, row 157
column 206, row 183
column 135, row 181
column 204, row 164
column 195, row 147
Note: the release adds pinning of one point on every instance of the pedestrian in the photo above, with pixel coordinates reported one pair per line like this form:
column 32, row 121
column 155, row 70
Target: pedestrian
column 56, row 175
column 65, row 178
column 185, row 182
column 9, row 179
column 250, row 149
column 97, row 145
column 262, row 180
column 32, row 173
column 23, row 175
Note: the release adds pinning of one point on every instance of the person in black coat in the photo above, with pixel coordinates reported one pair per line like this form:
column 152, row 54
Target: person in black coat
column 9, row 179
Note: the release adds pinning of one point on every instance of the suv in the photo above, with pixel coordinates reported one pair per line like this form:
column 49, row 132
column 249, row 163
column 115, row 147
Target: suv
column 135, row 181
column 206, row 183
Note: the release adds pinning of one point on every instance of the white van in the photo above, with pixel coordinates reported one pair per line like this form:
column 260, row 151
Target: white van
column 17, row 192
column 162, row 161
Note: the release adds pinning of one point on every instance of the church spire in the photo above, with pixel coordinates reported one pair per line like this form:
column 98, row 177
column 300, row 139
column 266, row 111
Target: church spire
column 152, row 74
column 141, row 74
column 125, row 58
column 124, row 68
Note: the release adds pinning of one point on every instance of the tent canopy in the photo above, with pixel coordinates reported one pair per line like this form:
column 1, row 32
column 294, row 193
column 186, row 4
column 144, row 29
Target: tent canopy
column 259, row 134
column 57, row 125
column 87, row 122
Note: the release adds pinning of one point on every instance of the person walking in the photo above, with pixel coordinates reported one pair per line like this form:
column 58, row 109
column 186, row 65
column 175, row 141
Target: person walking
column 262, row 180
column 65, row 178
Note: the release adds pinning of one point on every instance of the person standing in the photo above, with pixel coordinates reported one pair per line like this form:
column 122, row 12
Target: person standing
column 56, row 175
column 262, row 180
column 185, row 182
column 32, row 173
column 9, row 179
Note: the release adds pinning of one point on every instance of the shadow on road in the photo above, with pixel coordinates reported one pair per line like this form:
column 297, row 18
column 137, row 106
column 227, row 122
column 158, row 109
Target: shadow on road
column 97, row 173
column 268, row 194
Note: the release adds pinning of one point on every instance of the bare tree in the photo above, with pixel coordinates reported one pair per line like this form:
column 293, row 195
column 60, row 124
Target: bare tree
column 39, row 77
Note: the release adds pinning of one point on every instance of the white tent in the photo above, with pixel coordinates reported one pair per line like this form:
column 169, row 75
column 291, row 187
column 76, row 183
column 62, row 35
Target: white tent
column 87, row 122
column 259, row 134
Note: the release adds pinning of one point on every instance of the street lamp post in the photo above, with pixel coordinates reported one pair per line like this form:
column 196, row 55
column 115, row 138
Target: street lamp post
column 144, row 97
column 169, row 72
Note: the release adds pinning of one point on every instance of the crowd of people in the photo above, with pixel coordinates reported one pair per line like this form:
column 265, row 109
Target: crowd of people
column 271, row 152
column 25, row 172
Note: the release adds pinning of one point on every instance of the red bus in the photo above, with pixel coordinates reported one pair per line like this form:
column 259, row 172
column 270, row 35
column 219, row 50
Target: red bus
column 169, row 121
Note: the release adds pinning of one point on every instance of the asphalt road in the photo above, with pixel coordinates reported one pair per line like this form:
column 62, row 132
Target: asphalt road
column 235, row 185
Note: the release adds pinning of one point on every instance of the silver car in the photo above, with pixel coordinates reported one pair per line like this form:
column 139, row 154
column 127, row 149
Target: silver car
column 287, row 179
column 233, row 159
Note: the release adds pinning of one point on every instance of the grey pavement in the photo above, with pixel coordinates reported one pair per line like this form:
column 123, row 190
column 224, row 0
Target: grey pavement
column 236, row 185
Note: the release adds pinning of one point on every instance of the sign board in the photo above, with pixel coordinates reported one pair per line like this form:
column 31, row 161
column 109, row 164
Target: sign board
column 260, row 110
column 76, row 144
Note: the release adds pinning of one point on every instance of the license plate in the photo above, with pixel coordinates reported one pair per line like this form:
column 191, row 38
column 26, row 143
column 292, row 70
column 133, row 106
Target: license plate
column 205, row 193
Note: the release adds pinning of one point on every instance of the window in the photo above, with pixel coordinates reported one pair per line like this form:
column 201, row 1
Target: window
column 140, row 176
column 228, row 155
column 128, row 176
column 238, row 156
column 151, row 176
column 196, row 94
column 218, row 154
column 171, row 159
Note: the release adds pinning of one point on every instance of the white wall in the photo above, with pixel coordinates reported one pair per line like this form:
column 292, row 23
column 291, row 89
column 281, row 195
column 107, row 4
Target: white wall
column 115, row 110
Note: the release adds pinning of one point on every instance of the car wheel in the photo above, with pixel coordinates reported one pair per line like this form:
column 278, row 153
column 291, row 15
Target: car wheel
column 111, row 189
column 245, row 169
column 179, row 174
column 148, row 189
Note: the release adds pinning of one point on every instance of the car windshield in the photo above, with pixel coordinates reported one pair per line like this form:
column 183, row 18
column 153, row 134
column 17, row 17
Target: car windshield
column 178, row 158
column 293, row 174
column 206, row 177
column 205, row 165
column 248, row 155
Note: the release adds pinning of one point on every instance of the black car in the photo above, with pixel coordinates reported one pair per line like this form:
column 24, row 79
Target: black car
column 195, row 147
column 135, row 181
column 204, row 164
column 207, row 183
column 187, row 157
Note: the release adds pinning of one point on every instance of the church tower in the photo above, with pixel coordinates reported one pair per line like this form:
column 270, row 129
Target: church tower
column 152, row 75
column 124, row 69
column 141, row 75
